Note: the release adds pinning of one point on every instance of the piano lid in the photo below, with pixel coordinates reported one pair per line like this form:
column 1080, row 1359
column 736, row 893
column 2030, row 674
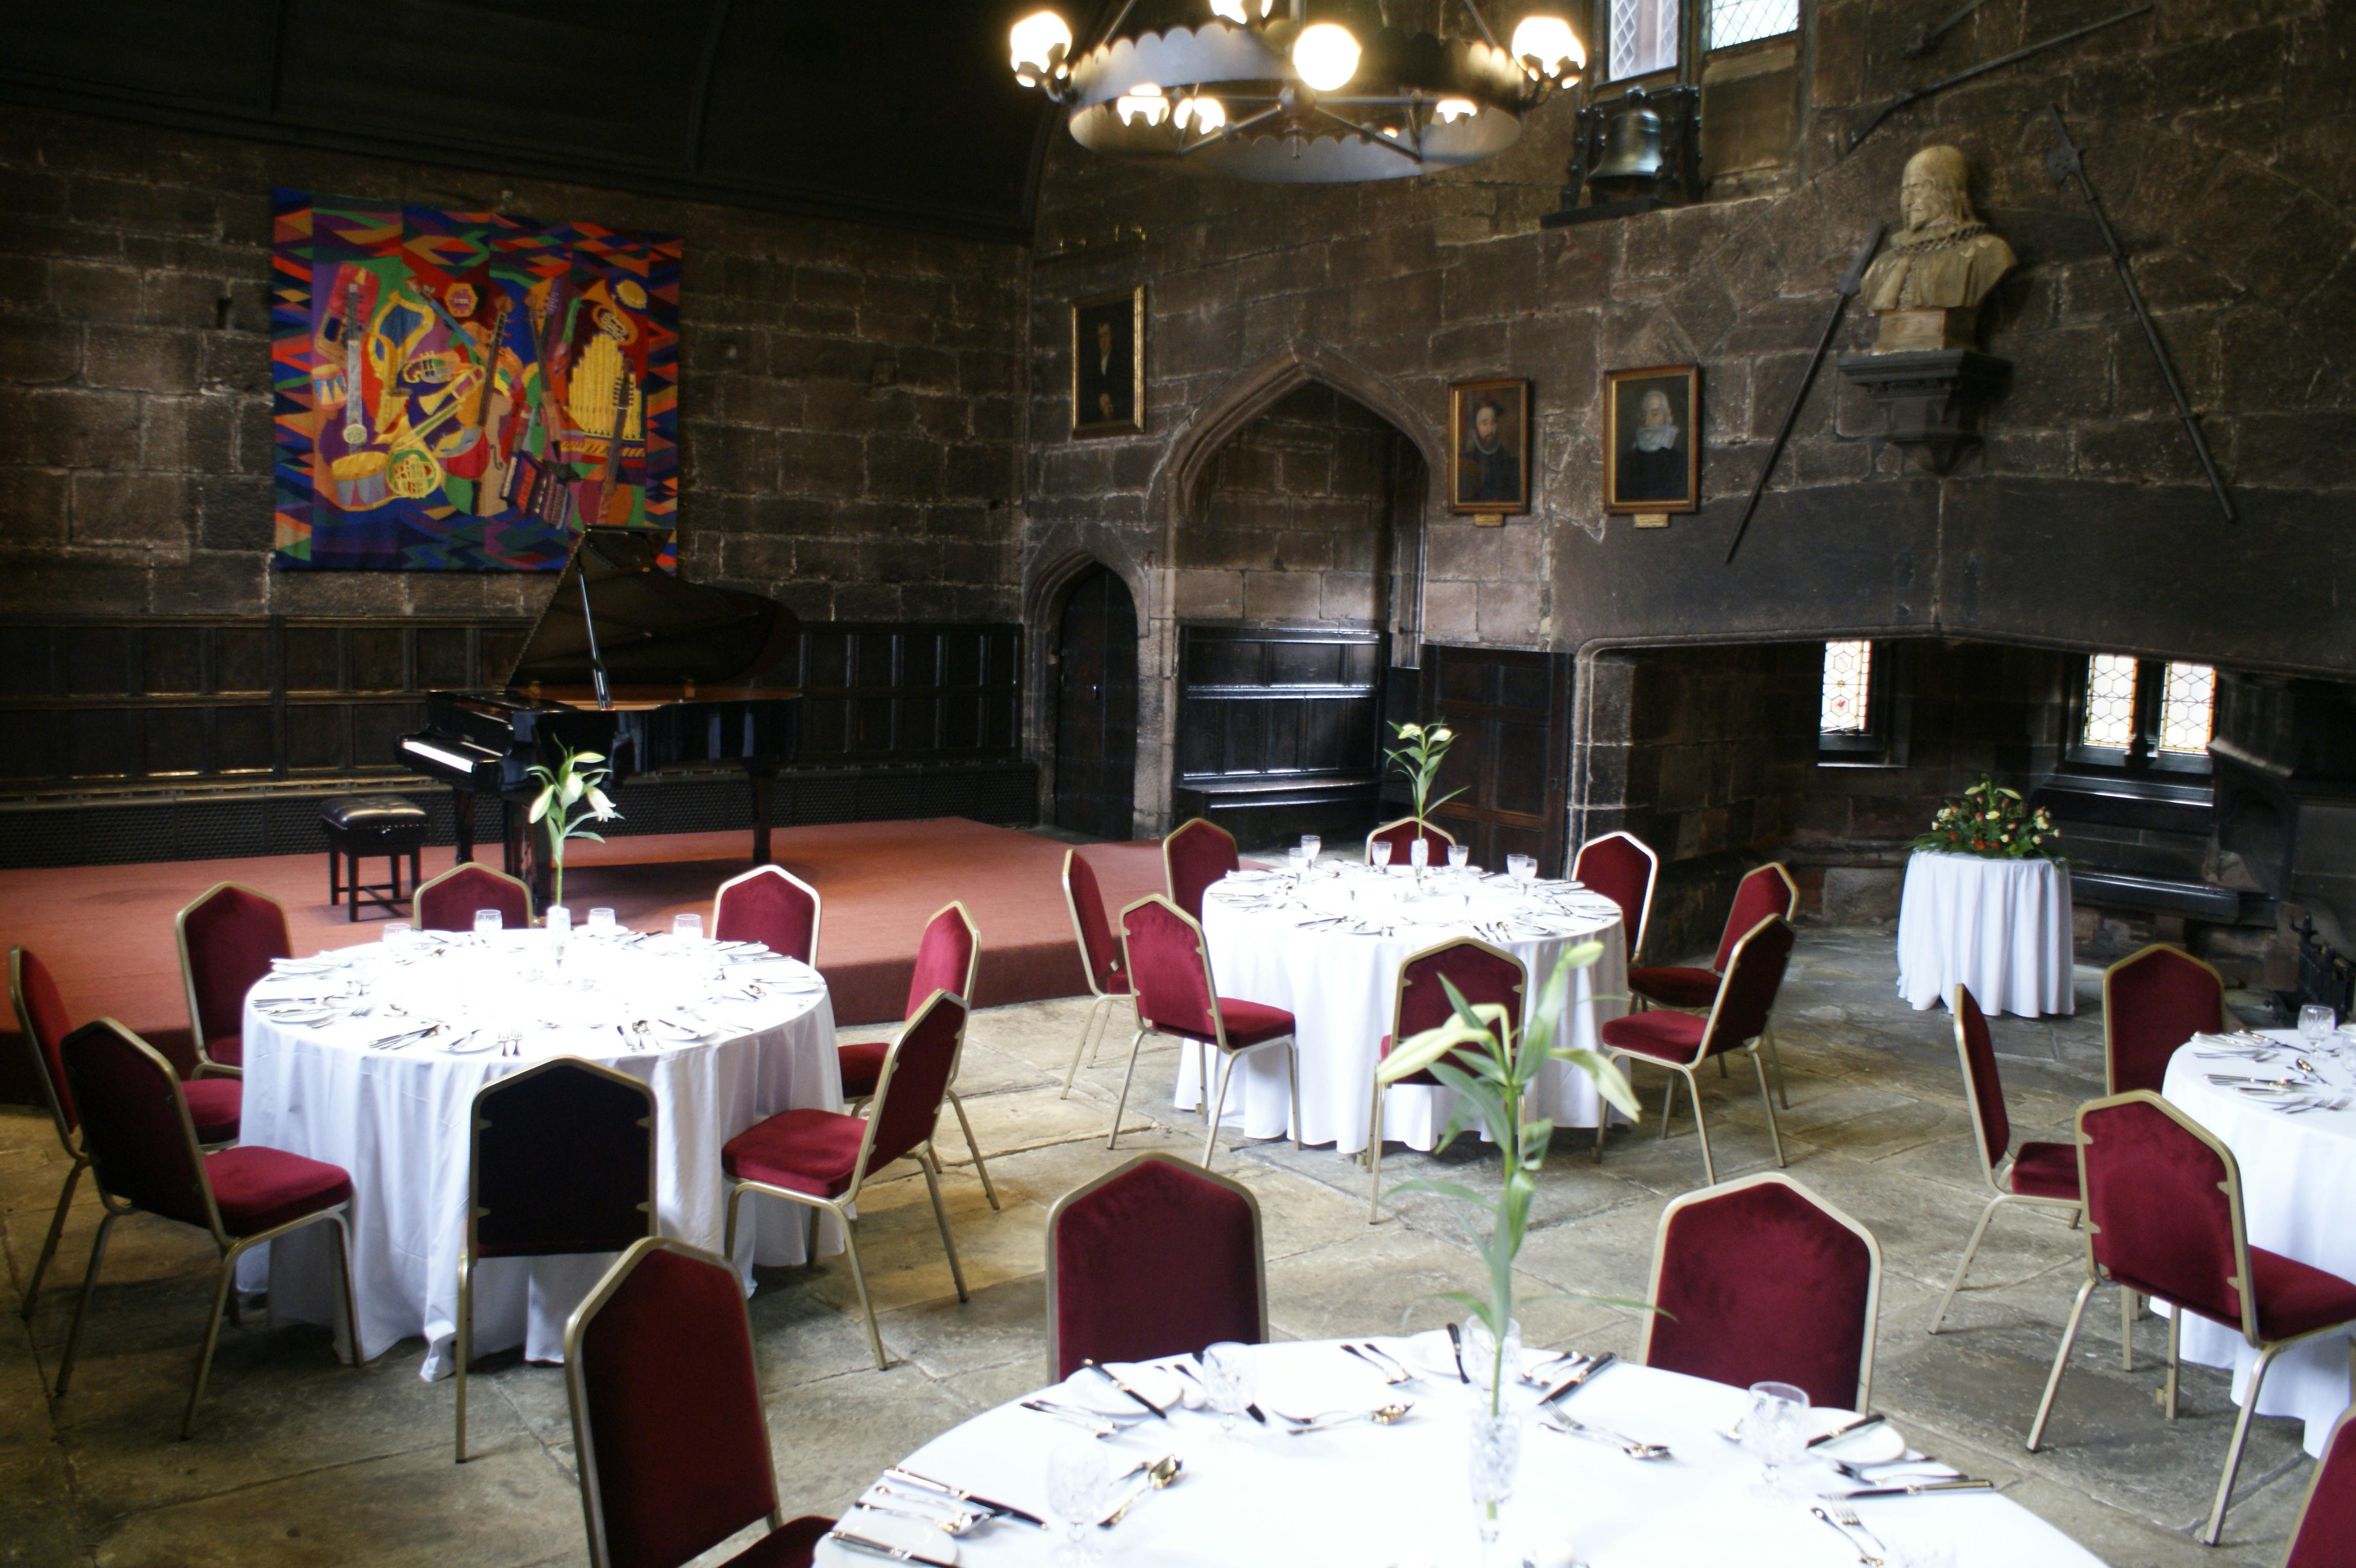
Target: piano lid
column 652, row 627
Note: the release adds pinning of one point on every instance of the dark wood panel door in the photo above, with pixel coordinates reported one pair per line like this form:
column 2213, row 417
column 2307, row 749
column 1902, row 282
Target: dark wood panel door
column 1511, row 713
column 1096, row 708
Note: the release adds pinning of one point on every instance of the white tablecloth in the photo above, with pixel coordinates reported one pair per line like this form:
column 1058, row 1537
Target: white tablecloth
column 397, row 1119
column 1340, row 986
column 2001, row 927
column 1365, row 1495
column 2298, row 1178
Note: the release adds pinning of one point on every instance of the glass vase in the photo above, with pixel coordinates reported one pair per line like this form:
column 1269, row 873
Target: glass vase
column 1495, row 1460
column 1418, row 852
column 1481, row 1363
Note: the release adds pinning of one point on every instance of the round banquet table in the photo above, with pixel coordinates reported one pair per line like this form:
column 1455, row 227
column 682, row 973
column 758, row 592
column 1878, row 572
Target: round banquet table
column 397, row 1118
column 1327, row 948
column 2299, row 1173
column 1369, row 1495
column 2001, row 927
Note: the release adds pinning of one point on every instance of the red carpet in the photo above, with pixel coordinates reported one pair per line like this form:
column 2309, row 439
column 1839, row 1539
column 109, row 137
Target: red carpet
column 107, row 929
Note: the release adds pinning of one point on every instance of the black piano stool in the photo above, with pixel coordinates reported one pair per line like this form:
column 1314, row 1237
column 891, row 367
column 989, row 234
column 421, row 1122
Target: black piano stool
column 356, row 825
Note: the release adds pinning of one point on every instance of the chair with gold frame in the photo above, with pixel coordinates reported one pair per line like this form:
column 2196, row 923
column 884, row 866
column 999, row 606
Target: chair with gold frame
column 227, row 938
column 1154, row 1258
column 2326, row 1517
column 1482, row 976
column 1766, row 890
column 1101, row 962
column 1623, row 868
column 771, row 906
column 450, row 901
column 948, row 957
column 1195, row 854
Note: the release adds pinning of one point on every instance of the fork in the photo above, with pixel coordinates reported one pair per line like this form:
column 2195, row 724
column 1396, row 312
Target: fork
column 1556, row 1421
column 1865, row 1558
column 1846, row 1516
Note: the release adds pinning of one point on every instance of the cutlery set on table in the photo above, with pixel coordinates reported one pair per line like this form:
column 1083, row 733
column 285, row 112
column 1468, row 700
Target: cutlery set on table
column 2280, row 1076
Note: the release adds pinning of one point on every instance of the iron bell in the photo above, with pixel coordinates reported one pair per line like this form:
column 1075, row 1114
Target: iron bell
column 1633, row 150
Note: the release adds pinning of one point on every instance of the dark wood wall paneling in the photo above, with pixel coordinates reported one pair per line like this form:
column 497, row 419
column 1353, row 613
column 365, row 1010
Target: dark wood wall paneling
column 874, row 692
column 1511, row 713
column 1278, row 729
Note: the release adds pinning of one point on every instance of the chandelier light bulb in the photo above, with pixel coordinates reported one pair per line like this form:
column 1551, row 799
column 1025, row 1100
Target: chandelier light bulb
column 1241, row 12
column 1325, row 55
column 1144, row 99
column 1548, row 41
column 1204, row 114
column 1451, row 110
column 1037, row 43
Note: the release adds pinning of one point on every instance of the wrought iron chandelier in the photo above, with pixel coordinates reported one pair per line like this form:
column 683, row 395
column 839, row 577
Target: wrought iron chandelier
column 1251, row 94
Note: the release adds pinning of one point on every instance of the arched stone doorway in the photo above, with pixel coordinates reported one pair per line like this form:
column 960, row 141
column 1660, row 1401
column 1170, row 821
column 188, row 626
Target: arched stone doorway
column 1095, row 706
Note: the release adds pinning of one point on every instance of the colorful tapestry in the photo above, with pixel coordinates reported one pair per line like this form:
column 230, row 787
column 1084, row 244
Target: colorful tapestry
column 462, row 391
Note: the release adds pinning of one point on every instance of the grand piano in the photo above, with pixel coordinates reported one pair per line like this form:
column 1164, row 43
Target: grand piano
column 628, row 661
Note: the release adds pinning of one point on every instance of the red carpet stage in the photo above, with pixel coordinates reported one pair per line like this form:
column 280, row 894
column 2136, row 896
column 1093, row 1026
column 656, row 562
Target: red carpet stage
column 107, row 929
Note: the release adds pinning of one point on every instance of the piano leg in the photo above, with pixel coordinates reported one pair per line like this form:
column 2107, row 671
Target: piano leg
column 462, row 812
column 763, row 790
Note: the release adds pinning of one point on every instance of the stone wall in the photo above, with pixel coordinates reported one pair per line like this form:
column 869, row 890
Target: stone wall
column 851, row 416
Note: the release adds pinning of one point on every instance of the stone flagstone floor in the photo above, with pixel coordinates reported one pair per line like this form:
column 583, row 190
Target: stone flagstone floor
column 301, row 1462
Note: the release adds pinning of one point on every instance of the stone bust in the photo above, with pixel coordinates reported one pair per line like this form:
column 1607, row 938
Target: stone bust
column 1944, row 262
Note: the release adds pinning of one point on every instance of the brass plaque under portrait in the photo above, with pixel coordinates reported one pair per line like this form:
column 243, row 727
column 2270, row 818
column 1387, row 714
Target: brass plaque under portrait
column 1652, row 439
column 1109, row 365
column 1489, row 447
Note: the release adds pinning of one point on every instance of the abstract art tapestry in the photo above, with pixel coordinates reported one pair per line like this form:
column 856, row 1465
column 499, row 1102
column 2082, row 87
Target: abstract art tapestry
column 462, row 391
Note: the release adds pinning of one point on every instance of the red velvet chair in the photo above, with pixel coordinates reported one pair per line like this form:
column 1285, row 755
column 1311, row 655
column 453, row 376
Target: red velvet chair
column 672, row 1442
column 561, row 1160
column 1481, row 975
column 143, row 1155
column 1683, row 1041
column 1156, row 1258
column 2044, row 1176
column 448, row 902
column 2327, row 1519
column 1100, row 956
column 948, row 955
column 214, row 1103
column 771, row 906
column 821, row 1158
column 2153, row 1001
column 1195, row 854
column 1767, row 891
column 1763, row 1281
column 1400, row 834
column 2164, row 1219
column 1170, row 970
column 227, row 939
column 1623, row 868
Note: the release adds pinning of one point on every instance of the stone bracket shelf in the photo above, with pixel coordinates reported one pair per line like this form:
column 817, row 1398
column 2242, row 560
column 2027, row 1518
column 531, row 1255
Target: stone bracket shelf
column 1931, row 398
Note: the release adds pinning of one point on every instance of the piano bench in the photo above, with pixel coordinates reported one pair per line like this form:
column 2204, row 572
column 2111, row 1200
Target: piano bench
column 358, row 825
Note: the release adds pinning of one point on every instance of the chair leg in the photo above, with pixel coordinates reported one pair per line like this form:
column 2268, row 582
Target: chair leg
column 1292, row 1073
column 49, row 1244
column 1081, row 1046
column 2127, row 1314
column 212, row 1337
column 81, row 1305
column 1969, row 1247
column 1776, row 1055
column 344, row 1277
column 2061, row 1360
column 2216, row 1525
column 1701, row 1131
column 1375, row 1158
column 859, row 1278
column 1669, row 1103
column 2175, row 1340
column 1774, row 1131
column 463, row 1351
column 335, row 865
column 1218, row 1107
column 1121, row 1105
column 981, row 1166
column 1604, row 1114
column 728, row 1245
column 929, row 1165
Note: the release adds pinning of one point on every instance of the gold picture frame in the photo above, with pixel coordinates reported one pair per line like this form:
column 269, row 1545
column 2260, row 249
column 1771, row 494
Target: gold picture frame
column 1109, row 365
column 1644, row 470
column 1488, row 463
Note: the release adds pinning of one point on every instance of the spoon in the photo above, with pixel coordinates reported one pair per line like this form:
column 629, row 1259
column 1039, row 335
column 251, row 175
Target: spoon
column 1381, row 1415
column 1160, row 1474
column 1559, row 1421
column 954, row 1524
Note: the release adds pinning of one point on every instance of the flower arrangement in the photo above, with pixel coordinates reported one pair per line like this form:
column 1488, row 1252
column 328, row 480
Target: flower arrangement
column 1418, row 757
column 1993, row 822
column 570, row 796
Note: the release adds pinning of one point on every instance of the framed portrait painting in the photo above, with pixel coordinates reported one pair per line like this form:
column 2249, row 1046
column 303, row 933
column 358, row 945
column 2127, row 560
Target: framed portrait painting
column 1652, row 454
column 1109, row 365
column 1489, row 447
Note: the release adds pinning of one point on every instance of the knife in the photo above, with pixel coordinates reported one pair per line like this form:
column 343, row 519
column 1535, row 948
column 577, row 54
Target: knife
column 1456, row 1349
column 1571, row 1384
column 1007, row 1509
column 1845, row 1428
column 1954, row 1485
column 878, row 1549
column 1101, row 1371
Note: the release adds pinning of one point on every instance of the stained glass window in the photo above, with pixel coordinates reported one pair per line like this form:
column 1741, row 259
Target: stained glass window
column 1735, row 22
column 2111, row 701
column 2187, row 706
column 1643, row 37
column 1849, row 670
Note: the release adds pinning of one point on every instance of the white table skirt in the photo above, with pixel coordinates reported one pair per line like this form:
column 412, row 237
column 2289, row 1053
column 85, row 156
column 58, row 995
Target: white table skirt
column 1398, row 1495
column 1340, row 989
column 2298, row 1175
column 396, row 1120
column 2001, row 927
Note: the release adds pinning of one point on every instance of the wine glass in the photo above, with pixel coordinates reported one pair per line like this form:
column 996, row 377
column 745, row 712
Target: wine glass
column 2315, row 1025
column 1230, row 1375
column 1773, row 1432
column 397, row 935
column 488, row 922
column 687, row 927
column 557, row 918
column 1312, row 846
column 1459, row 856
column 1077, row 1480
column 1381, row 850
column 601, row 923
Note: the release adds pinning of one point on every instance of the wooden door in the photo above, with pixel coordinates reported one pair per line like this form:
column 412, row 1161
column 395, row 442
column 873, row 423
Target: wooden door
column 1511, row 713
column 1096, row 708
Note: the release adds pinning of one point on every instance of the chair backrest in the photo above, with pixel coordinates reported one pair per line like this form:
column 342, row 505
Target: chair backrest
column 2153, row 1001
column 947, row 956
column 41, row 1018
column 1168, row 968
column 1401, row 833
column 771, row 906
column 1092, row 927
column 563, row 1161
column 1759, row 1280
column 134, row 1124
column 917, row 1071
column 1766, row 891
column 1480, row 973
column 1622, row 867
column 2327, row 1519
column 448, row 902
column 1754, row 973
column 227, row 939
column 1983, row 1091
column 2164, row 1205
column 668, row 1428
column 1195, row 854
column 1156, row 1258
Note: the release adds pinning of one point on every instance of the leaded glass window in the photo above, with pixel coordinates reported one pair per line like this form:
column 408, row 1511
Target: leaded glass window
column 1848, row 673
column 1643, row 37
column 1735, row 22
column 2111, row 701
column 2187, row 706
